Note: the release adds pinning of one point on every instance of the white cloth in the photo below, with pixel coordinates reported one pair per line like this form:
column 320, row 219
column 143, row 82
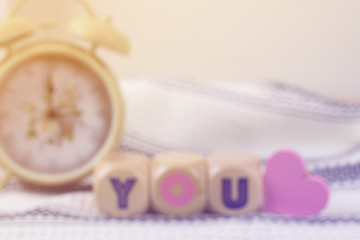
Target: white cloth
column 166, row 113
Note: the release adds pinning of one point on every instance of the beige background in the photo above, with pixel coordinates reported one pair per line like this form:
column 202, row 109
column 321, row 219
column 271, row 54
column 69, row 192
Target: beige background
column 310, row 43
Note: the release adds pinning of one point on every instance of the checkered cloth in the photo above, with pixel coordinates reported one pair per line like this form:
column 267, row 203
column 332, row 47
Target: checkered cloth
column 174, row 114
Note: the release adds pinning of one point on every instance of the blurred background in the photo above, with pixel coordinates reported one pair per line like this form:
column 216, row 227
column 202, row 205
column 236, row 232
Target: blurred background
column 310, row 44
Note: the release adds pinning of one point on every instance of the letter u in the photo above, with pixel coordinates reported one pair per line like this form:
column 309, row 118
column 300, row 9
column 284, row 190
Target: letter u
column 242, row 193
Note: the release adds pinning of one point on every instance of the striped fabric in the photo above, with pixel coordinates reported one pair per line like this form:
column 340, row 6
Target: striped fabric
column 174, row 114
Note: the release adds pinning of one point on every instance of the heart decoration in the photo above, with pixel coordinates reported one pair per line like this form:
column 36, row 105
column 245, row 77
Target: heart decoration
column 289, row 189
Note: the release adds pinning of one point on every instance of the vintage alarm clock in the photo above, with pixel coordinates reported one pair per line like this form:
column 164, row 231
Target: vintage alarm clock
column 60, row 107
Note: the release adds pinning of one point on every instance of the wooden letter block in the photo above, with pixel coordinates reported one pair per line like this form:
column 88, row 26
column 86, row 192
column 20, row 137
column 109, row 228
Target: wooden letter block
column 178, row 183
column 121, row 184
column 234, row 183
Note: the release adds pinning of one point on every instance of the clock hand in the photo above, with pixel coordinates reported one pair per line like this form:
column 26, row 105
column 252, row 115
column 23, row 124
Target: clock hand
column 50, row 95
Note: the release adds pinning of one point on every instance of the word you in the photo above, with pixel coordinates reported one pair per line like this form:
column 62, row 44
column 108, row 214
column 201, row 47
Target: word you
column 228, row 183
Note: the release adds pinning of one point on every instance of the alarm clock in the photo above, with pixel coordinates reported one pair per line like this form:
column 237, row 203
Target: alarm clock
column 61, row 110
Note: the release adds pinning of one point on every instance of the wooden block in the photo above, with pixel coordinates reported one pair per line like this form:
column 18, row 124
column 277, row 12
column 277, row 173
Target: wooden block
column 178, row 183
column 234, row 183
column 121, row 184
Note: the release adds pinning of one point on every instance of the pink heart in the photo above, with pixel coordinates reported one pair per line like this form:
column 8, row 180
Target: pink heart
column 289, row 189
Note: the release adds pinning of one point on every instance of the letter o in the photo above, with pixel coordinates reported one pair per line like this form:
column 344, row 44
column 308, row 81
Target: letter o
column 170, row 181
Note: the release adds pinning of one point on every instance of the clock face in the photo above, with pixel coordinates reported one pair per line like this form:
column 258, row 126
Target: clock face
column 55, row 114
